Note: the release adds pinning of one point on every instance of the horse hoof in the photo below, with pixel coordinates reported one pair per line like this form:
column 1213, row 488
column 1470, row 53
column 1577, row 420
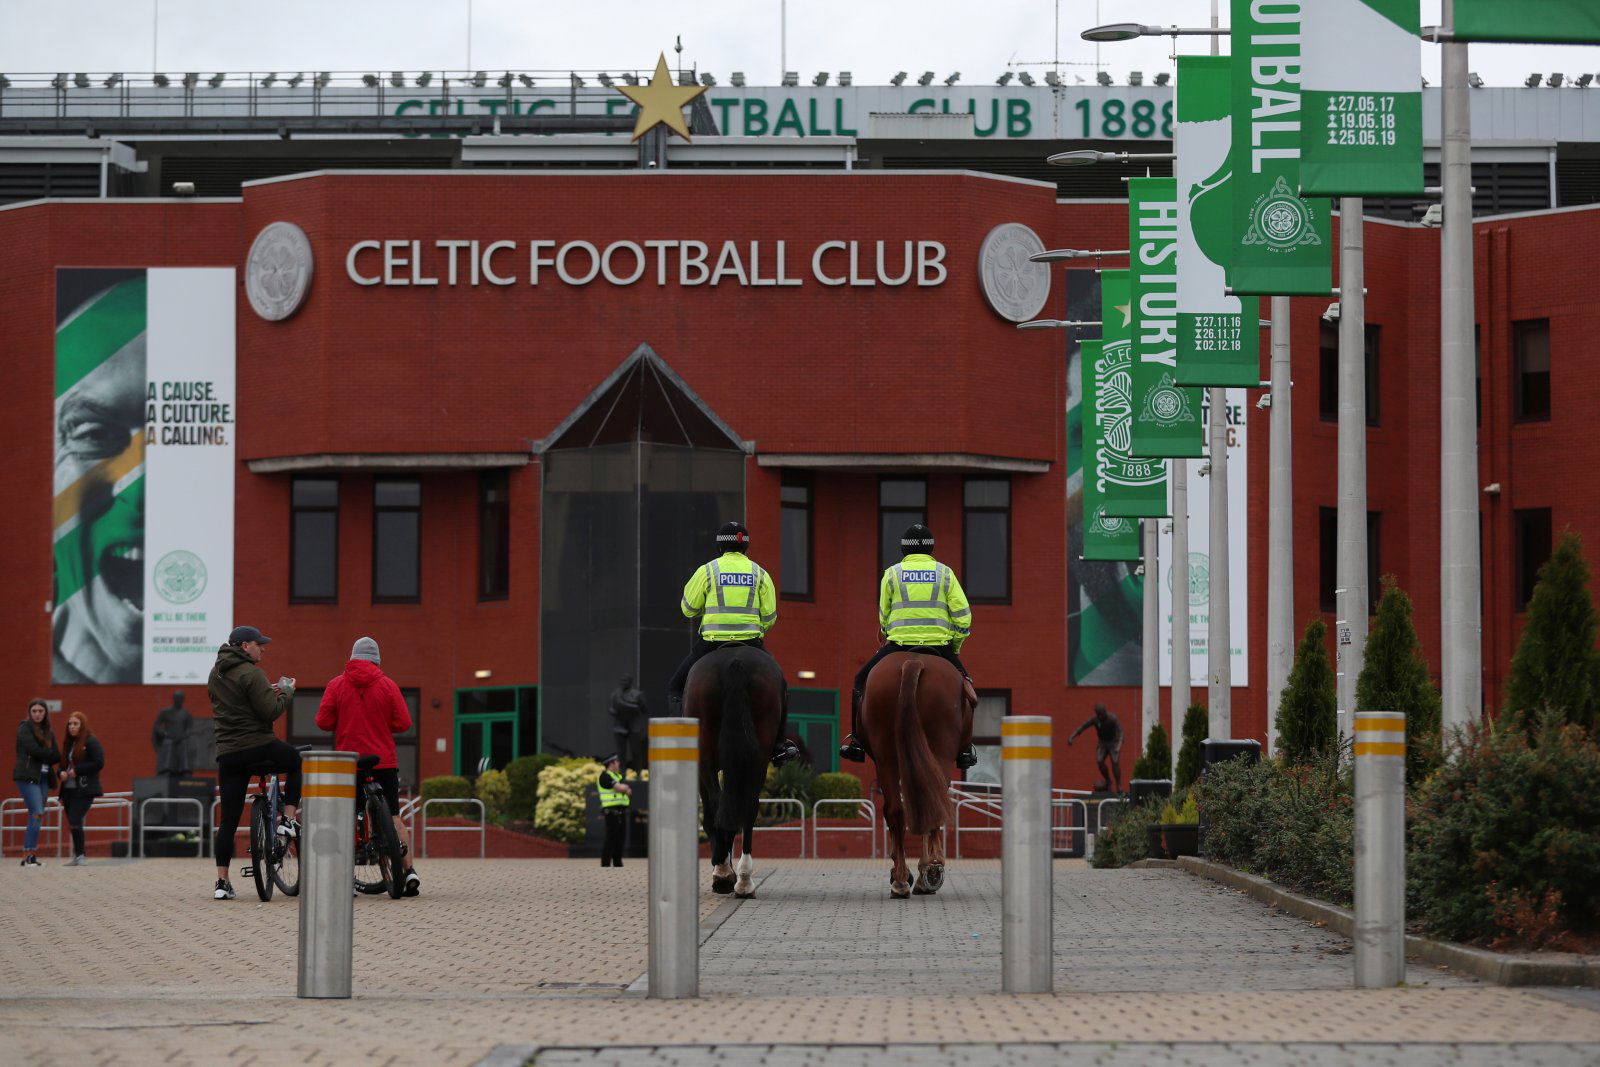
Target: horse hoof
column 722, row 885
column 924, row 888
column 900, row 891
column 935, row 877
column 745, row 894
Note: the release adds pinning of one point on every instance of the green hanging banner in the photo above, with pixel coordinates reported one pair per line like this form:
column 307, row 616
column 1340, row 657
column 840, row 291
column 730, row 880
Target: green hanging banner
column 1127, row 488
column 1104, row 386
column 1283, row 245
column 1362, row 98
column 1219, row 336
column 1533, row 21
column 1166, row 417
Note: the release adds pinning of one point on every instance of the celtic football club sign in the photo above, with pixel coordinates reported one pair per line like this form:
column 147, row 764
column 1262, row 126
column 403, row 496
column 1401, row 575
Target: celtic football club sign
column 1219, row 336
column 1105, row 385
column 1362, row 98
column 1166, row 419
column 1130, row 486
column 1283, row 244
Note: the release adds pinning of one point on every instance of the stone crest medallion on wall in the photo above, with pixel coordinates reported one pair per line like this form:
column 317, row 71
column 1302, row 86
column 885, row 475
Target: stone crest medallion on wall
column 277, row 273
column 1015, row 287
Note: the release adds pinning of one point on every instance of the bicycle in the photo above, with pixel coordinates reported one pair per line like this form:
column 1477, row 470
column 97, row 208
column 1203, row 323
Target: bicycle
column 274, row 859
column 380, row 864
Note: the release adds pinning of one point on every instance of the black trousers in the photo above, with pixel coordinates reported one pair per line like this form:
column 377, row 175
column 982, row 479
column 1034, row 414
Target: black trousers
column 616, row 830
column 233, row 778
column 889, row 647
column 701, row 649
column 77, row 803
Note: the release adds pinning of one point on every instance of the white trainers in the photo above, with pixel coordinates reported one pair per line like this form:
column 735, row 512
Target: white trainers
column 223, row 891
column 289, row 828
column 77, row 861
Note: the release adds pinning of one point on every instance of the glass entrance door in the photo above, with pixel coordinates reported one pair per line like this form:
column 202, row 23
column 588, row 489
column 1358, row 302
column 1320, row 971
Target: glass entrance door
column 493, row 726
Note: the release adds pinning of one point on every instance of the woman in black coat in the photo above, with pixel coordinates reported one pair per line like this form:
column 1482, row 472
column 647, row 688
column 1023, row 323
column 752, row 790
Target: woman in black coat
column 82, row 758
column 36, row 755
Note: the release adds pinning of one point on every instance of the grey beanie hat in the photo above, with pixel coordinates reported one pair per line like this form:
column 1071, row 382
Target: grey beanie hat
column 365, row 648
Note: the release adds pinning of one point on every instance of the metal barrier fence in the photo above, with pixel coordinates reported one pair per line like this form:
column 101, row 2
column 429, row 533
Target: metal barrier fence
column 52, row 807
column 864, row 808
column 118, row 804
column 198, row 826
column 982, row 805
column 478, row 829
column 1061, row 831
column 799, row 828
column 53, row 820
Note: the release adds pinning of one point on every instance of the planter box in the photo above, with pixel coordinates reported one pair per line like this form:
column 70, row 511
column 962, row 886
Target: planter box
column 1168, row 841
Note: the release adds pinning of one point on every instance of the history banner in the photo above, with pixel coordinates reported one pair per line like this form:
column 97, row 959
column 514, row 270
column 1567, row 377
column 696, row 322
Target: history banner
column 1531, row 21
column 1362, row 98
column 1283, row 245
column 1130, row 487
column 143, row 460
column 1219, row 336
column 1166, row 416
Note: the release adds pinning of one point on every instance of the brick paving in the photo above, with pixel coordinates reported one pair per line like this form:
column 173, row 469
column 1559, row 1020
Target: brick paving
column 133, row 963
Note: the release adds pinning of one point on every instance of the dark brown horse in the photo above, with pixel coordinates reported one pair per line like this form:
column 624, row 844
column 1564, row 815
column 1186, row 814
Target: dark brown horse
column 738, row 694
column 916, row 721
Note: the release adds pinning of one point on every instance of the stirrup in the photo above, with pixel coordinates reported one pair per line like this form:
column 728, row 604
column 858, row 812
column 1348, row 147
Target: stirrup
column 851, row 750
column 783, row 752
column 967, row 758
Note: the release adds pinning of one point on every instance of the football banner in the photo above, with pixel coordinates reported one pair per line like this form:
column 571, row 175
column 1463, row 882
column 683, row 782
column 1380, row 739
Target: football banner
column 1362, row 98
column 1283, row 245
column 1219, row 336
column 1531, row 21
column 1130, row 487
column 1105, row 384
column 143, row 457
column 1166, row 417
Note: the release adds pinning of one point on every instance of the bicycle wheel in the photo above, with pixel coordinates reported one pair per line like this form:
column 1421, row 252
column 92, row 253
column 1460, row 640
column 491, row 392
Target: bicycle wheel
column 286, row 864
column 390, row 859
column 368, row 874
column 261, row 847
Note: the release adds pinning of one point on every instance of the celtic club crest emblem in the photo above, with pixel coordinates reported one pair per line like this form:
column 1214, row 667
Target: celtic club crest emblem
column 1199, row 578
column 1166, row 404
column 1112, row 524
column 180, row 577
column 1281, row 220
column 1114, row 415
column 1015, row 286
column 277, row 272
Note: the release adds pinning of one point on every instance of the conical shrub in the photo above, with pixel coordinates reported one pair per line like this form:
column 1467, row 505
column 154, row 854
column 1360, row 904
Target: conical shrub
column 1395, row 678
column 1196, row 725
column 1556, row 665
column 1307, row 720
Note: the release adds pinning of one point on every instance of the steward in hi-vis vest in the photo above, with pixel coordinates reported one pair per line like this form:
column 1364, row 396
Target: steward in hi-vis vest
column 614, row 800
column 736, row 603
column 921, row 608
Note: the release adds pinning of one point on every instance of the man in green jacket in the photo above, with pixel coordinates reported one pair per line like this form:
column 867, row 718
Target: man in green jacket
column 245, row 705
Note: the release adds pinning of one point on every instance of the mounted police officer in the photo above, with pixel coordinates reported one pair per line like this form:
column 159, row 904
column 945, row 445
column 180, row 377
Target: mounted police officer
column 921, row 608
column 735, row 601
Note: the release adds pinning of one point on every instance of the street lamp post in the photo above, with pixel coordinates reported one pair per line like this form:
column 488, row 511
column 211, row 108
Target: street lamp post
column 1351, row 569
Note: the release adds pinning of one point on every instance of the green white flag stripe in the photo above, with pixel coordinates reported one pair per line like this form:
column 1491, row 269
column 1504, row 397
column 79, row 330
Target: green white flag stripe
column 1283, row 244
column 1219, row 336
column 109, row 323
column 1130, row 487
column 1362, row 134
column 1166, row 417
column 1533, row 21
column 1105, row 537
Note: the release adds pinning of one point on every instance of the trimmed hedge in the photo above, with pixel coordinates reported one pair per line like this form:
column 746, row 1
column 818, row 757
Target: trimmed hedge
column 563, row 792
column 495, row 792
column 835, row 785
column 448, row 786
column 523, row 775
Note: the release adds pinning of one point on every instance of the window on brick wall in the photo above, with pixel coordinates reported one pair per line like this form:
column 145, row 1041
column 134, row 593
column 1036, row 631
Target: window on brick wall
column 795, row 532
column 314, row 540
column 494, row 535
column 901, row 502
column 1533, row 538
column 986, row 540
column 1328, row 559
column 1531, row 386
column 396, row 540
column 1328, row 373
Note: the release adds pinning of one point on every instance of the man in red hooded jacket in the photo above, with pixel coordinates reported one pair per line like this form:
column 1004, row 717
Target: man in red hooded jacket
column 364, row 709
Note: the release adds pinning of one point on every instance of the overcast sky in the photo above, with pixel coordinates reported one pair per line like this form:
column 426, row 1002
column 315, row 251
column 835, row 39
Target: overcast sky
column 871, row 38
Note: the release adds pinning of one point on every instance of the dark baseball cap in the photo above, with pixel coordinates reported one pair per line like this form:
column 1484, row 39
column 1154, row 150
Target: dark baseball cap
column 241, row 634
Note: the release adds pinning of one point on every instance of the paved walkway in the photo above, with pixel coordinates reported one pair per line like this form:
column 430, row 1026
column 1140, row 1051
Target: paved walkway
column 133, row 963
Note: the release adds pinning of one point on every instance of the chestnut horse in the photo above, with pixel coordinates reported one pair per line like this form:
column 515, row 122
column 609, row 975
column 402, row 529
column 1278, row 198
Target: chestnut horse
column 739, row 696
column 915, row 722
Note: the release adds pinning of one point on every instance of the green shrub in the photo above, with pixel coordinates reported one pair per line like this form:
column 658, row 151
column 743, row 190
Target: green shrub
column 563, row 792
column 1556, row 664
column 523, row 775
column 448, row 786
column 1196, row 725
column 836, row 785
column 1186, row 813
column 1127, row 838
column 1156, row 759
column 1394, row 677
column 792, row 781
column 1307, row 717
column 1236, row 803
column 1508, row 825
column 495, row 791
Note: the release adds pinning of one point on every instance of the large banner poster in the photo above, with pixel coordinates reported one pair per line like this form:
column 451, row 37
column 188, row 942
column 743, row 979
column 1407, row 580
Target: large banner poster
column 1199, row 591
column 1166, row 417
column 144, row 459
column 1128, row 486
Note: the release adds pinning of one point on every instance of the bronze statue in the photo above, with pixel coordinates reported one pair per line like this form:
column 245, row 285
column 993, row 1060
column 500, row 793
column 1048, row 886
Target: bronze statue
column 629, row 714
column 170, row 737
column 1108, row 754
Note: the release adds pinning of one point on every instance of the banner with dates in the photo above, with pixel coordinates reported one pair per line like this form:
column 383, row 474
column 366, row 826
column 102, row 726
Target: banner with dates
column 1362, row 99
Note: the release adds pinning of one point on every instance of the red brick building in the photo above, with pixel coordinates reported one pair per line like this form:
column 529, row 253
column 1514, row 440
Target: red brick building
column 402, row 446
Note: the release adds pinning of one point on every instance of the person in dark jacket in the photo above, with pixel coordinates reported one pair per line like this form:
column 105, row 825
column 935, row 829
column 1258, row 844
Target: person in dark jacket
column 79, row 779
column 244, row 706
column 37, row 752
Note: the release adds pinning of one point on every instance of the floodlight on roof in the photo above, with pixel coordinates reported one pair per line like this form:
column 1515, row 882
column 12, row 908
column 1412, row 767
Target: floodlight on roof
column 1475, row 80
column 190, row 80
column 268, row 81
column 1533, row 80
column 845, row 78
column 216, row 80
column 478, row 78
column 1051, row 78
column 1135, row 77
column 5, row 82
column 737, row 78
column 579, row 83
column 505, row 81
column 424, row 78
column 294, row 82
column 925, row 78
column 1584, row 80
column 369, row 80
column 898, row 79
column 161, row 81
column 820, row 78
column 321, row 80
column 81, row 80
column 1556, row 79
column 113, row 81
column 1025, row 78
column 791, row 78
column 526, row 80
column 397, row 79
column 1104, row 78
column 1163, row 78
column 59, row 82
column 952, row 79
column 605, row 79
column 630, row 77
column 707, row 79
column 1004, row 79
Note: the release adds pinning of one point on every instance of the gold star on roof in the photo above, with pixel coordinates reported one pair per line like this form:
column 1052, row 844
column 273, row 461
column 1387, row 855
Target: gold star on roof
column 661, row 102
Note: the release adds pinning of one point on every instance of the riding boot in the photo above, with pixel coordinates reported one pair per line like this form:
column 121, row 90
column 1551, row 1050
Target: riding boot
column 784, row 751
column 967, row 758
column 851, row 749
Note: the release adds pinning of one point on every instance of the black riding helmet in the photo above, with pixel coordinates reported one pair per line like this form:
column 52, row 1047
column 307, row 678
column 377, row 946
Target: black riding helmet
column 917, row 538
column 733, row 537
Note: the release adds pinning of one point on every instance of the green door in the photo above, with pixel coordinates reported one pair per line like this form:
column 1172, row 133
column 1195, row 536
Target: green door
column 814, row 725
column 493, row 726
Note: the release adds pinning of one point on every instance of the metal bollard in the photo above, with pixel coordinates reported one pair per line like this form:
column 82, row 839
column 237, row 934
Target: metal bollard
column 1380, row 877
column 1027, row 934
column 327, row 864
column 674, row 858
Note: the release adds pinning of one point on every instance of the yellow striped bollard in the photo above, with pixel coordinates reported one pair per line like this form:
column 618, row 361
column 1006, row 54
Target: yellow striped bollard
column 327, row 873
column 1380, row 846
column 674, row 858
column 1026, row 934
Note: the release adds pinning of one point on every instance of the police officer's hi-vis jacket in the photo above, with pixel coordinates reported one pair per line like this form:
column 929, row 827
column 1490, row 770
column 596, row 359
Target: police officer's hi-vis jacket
column 920, row 602
column 733, row 597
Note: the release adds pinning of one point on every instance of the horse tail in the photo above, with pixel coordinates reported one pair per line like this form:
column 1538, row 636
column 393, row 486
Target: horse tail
column 737, row 750
column 922, row 780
